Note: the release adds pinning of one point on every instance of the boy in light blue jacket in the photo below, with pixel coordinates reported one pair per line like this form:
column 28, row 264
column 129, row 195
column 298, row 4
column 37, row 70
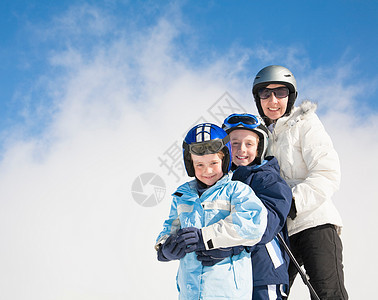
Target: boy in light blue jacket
column 212, row 213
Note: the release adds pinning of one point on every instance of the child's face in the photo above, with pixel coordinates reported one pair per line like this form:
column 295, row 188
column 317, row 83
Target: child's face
column 244, row 146
column 208, row 168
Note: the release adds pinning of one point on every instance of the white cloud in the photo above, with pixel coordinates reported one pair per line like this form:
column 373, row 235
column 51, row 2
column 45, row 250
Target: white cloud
column 70, row 227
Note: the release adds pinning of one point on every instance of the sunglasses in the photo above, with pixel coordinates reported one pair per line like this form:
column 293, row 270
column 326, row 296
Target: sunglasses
column 208, row 147
column 241, row 120
column 280, row 92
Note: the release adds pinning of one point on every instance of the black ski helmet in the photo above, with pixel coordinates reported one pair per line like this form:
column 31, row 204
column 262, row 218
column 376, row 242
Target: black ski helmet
column 275, row 75
column 252, row 123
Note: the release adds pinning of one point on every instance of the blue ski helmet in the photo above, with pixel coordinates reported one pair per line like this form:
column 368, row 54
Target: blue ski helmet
column 206, row 138
column 252, row 123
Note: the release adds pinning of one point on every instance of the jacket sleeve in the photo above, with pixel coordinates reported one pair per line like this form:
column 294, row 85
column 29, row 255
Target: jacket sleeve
column 323, row 167
column 244, row 226
column 276, row 195
column 170, row 226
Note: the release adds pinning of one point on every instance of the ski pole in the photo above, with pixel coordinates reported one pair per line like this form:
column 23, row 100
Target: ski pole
column 303, row 274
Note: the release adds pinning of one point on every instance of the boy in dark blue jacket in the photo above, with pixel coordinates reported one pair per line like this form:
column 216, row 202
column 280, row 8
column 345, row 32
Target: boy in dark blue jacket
column 249, row 141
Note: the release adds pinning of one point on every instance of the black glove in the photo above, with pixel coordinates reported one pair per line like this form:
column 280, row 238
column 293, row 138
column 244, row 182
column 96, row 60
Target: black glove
column 190, row 238
column 211, row 257
column 170, row 250
column 293, row 210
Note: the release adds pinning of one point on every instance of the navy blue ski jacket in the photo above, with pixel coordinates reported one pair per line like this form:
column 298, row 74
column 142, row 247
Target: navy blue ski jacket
column 269, row 260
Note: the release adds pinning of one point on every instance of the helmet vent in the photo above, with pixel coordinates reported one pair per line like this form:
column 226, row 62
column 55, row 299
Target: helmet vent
column 287, row 75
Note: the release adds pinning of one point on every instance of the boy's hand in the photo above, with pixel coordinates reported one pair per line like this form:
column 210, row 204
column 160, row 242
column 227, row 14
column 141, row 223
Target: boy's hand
column 171, row 250
column 211, row 257
column 190, row 238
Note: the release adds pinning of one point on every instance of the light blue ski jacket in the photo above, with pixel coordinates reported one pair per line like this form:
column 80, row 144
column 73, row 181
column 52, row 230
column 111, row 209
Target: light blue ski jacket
column 229, row 214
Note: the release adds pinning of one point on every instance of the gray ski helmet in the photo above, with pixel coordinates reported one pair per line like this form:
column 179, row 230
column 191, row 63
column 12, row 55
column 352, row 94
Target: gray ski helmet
column 275, row 75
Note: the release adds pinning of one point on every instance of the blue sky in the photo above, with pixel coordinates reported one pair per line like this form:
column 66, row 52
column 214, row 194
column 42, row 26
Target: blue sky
column 320, row 33
column 94, row 94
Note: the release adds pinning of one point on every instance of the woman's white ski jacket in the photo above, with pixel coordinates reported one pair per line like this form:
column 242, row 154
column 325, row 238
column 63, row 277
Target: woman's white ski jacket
column 310, row 166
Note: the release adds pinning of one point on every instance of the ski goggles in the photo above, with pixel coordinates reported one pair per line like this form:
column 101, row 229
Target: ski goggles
column 280, row 92
column 208, row 147
column 241, row 120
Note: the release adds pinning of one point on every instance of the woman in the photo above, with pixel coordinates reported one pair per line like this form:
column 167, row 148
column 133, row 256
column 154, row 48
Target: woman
column 310, row 166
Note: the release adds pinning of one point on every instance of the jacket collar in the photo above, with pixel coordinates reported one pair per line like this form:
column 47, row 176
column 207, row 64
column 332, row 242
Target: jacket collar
column 298, row 113
column 190, row 188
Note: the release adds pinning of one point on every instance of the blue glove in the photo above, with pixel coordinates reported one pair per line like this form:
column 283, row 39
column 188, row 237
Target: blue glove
column 170, row 250
column 211, row 257
column 190, row 238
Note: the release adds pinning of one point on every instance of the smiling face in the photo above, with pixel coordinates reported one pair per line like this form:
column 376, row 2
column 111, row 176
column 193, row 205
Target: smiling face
column 244, row 146
column 273, row 107
column 208, row 168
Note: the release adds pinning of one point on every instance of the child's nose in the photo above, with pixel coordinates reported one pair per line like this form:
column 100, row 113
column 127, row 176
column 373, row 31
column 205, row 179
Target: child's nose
column 209, row 170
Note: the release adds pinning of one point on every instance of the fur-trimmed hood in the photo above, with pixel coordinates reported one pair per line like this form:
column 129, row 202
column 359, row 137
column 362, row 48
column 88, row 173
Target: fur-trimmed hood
column 301, row 112
column 305, row 108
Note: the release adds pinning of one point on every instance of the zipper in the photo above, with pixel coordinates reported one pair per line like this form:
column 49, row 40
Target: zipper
column 274, row 141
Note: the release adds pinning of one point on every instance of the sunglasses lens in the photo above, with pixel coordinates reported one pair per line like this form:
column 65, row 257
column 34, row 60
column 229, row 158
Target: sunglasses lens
column 280, row 92
column 264, row 93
